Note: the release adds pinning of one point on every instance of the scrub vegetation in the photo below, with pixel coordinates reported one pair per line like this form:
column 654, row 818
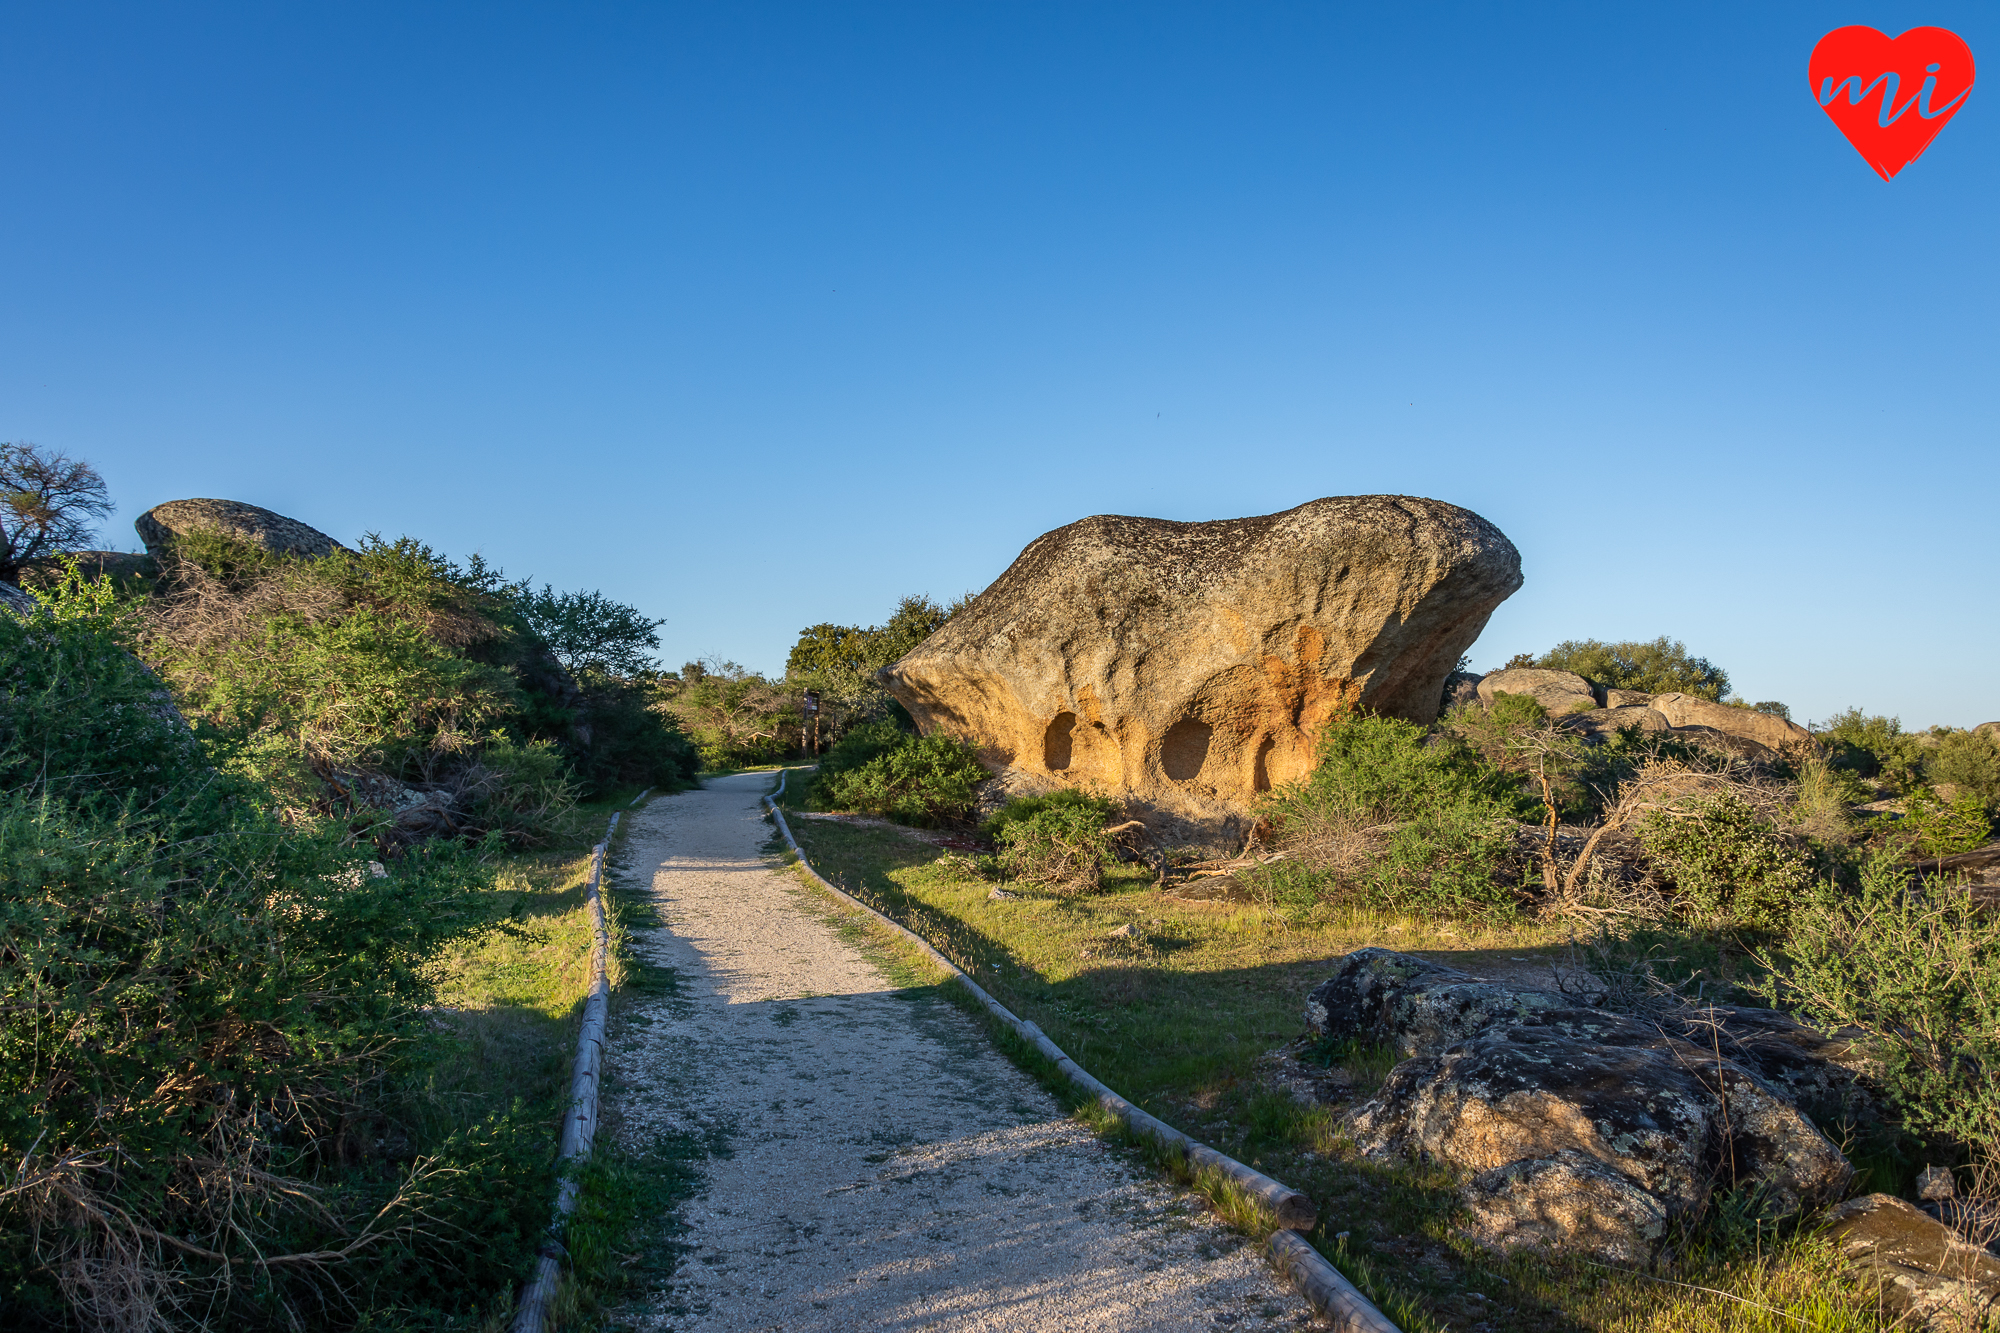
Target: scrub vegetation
column 1648, row 868
column 294, row 933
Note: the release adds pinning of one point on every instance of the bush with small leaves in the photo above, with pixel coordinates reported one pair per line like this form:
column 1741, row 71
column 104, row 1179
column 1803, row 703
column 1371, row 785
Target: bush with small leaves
column 1730, row 869
column 1918, row 967
column 921, row 780
column 1061, row 845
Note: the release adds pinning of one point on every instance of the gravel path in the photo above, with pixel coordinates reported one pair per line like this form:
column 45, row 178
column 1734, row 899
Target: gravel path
column 880, row 1165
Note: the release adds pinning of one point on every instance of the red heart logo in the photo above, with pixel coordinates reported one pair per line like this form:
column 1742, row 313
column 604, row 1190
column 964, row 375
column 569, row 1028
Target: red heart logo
column 1890, row 97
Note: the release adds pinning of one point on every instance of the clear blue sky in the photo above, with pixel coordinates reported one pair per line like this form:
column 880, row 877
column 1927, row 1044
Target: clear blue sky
column 761, row 315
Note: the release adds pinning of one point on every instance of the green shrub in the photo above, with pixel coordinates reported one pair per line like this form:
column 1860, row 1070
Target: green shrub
column 523, row 791
column 1969, row 761
column 1057, row 841
column 1447, row 860
column 1660, row 666
column 1451, row 809
column 1729, row 867
column 1873, row 746
column 1027, row 807
column 200, row 1011
column 393, row 660
column 1918, row 967
column 922, row 780
column 626, row 741
column 1936, row 827
column 855, row 749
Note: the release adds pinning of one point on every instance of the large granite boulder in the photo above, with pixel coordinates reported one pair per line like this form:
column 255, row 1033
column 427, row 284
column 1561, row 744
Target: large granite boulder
column 1185, row 667
column 1559, row 692
column 1575, row 1127
column 159, row 525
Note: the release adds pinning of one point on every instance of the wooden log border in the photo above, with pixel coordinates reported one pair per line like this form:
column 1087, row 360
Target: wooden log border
column 1325, row 1286
column 580, row 1121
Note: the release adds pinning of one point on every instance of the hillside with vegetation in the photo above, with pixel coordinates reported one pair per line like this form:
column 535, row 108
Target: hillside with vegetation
column 291, row 930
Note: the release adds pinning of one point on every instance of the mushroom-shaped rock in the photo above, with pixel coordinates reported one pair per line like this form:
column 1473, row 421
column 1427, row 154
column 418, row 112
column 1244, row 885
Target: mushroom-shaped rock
column 1185, row 667
column 158, row 526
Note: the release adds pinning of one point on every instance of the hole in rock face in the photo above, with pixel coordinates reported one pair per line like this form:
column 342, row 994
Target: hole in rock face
column 1260, row 776
column 1184, row 749
column 1056, row 742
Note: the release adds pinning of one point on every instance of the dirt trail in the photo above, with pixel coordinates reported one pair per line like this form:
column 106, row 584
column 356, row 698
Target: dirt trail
column 880, row 1165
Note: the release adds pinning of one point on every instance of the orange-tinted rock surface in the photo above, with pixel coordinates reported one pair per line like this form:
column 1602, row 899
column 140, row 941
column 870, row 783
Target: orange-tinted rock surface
column 1185, row 667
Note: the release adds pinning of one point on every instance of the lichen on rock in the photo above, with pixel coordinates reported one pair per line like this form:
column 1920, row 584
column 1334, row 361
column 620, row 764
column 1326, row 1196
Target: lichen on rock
column 1573, row 1126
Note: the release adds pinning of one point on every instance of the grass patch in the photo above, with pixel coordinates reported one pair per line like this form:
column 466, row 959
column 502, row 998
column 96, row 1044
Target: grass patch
column 1179, row 1015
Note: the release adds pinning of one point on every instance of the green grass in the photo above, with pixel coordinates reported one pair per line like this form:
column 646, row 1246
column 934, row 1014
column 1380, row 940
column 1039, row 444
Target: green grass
column 513, row 999
column 1178, row 1018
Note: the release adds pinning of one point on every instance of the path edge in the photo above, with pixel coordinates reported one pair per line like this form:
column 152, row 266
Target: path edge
column 1323, row 1285
column 580, row 1120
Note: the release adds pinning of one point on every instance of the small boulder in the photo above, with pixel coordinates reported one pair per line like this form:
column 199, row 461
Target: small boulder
column 1627, row 699
column 1988, row 729
column 13, row 599
column 1775, row 733
column 158, row 526
column 1558, row 691
column 1604, row 722
column 1926, row 1273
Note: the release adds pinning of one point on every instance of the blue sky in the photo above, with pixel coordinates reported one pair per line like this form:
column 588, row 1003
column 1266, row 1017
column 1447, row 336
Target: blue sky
column 761, row 315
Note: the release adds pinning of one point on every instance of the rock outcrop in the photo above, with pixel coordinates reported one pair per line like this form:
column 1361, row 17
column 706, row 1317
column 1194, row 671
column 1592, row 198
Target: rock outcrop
column 1928, row 1276
column 13, row 599
column 1558, row 691
column 1684, row 710
column 1185, row 667
column 158, row 526
column 1576, row 1127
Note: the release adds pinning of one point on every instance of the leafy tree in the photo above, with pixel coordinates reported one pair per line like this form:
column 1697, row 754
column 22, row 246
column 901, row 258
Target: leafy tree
column 1873, row 746
column 840, row 661
column 49, row 503
column 587, row 631
column 1658, row 666
column 734, row 715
